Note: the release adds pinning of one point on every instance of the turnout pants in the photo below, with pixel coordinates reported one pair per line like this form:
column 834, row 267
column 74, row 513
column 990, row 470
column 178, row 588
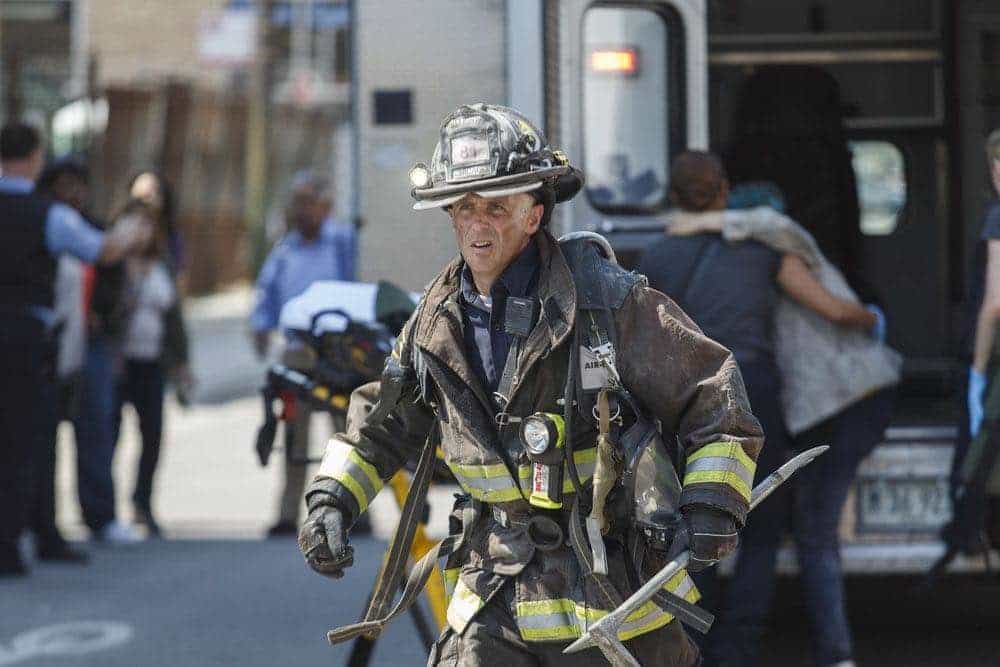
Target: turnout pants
column 492, row 640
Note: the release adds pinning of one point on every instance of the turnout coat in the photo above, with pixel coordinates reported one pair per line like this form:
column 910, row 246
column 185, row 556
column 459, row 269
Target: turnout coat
column 685, row 380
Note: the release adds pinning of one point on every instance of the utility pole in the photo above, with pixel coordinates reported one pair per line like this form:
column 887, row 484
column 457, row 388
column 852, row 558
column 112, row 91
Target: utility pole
column 3, row 74
column 258, row 125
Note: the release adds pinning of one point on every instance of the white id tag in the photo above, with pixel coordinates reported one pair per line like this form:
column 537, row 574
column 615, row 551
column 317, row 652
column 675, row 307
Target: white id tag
column 594, row 374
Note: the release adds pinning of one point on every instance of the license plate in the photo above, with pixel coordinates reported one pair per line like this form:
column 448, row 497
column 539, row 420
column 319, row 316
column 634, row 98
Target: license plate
column 918, row 505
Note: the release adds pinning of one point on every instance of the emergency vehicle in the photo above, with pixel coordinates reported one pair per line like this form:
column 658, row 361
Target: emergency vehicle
column 622, row 87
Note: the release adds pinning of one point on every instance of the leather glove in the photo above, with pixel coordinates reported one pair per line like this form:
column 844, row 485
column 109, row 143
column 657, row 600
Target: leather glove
column 977, row 387
column 709, row 533
column 323, row 540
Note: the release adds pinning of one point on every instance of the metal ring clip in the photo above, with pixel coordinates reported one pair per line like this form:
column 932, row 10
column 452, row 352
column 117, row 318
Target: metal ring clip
column 615, row 417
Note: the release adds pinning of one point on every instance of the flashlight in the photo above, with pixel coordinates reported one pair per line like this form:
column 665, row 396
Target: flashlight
column 420, row 176
column 542, row 435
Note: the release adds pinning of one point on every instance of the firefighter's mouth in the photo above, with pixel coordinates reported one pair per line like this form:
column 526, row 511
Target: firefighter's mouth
column 481, row 245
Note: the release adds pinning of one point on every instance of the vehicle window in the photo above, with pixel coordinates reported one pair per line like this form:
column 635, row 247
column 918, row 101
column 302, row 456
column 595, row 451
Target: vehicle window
column 626, row 147
column 880, row 172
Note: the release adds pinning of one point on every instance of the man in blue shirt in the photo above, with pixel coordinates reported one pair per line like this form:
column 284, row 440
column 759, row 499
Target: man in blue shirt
column 317, row 247
column 33, row 233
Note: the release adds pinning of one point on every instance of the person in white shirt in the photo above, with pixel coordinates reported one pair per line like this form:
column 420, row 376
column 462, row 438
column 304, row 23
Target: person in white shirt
column 149, row 295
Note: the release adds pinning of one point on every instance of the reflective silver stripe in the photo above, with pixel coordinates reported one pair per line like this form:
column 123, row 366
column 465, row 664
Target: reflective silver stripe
column 586, row 470
column 586, row 463
column 538, row 621
column 491, row 488
column 486, row 484
column 564, row 619
column 721, row 464
column 450, row 581
column 464, row 605
column 653, row 618
column 344, row 464
column 548, row 620
column 685, row 587
column 682, row 584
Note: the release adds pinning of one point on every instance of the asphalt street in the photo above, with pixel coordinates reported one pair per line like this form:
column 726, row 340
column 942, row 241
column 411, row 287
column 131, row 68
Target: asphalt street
column 192, row 602
column 253, row 603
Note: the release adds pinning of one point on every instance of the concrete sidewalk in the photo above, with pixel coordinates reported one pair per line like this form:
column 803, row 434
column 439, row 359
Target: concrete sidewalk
column 209, row 483
column 222, row 355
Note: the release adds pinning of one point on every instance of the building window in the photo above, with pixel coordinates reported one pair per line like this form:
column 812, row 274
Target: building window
column 629, row 127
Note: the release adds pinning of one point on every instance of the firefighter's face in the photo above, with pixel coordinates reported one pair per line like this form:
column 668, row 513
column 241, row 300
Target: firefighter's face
column 491, row 232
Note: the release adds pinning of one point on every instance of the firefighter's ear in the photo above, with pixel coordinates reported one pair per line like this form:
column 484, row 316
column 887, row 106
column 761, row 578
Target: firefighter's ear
column 534, row 214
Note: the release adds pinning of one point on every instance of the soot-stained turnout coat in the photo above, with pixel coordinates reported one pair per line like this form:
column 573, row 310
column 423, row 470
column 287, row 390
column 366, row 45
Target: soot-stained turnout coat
column 683, row 379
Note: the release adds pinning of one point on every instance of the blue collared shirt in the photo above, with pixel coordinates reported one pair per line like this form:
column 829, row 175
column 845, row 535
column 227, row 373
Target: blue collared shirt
column 65, row 232
column 295, row 264
column 486, row 343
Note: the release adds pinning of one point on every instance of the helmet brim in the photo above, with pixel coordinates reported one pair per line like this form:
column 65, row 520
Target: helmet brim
column 475, row 188
column 500, row 186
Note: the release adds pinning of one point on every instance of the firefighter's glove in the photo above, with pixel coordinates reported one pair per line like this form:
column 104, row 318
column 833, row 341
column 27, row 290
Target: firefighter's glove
column 323, row 537
column 709, row 533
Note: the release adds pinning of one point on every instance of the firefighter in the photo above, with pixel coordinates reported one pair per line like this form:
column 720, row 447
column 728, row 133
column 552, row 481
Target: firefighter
column 510, row 360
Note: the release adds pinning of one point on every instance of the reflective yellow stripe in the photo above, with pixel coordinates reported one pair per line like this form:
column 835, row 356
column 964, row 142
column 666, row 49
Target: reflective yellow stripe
column 564, row 619
column 584, row 460
column 464, row 605
column 682, row 584
column 359, row 493
column 450, row 580
column 548, row 620
column 653, row 618
column 492, row 490
column 367, row 468
column 554, row 633
column 728, row 478
column 733, row 450
column 721, row 463
column 344, row 464
column 479, row 471
column 543, row 607
column 490, row 483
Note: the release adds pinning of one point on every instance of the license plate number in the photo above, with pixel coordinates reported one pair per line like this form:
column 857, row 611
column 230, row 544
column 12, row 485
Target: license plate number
column 902, row 504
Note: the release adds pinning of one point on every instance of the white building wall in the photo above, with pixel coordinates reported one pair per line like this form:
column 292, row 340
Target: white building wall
column 446, row 53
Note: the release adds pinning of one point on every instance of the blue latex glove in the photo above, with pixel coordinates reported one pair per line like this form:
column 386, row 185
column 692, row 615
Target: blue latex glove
column 878, row 329
column 977, row 387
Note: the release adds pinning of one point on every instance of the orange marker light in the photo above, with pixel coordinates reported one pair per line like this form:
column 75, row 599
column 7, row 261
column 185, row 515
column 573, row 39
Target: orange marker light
column 619, row 61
